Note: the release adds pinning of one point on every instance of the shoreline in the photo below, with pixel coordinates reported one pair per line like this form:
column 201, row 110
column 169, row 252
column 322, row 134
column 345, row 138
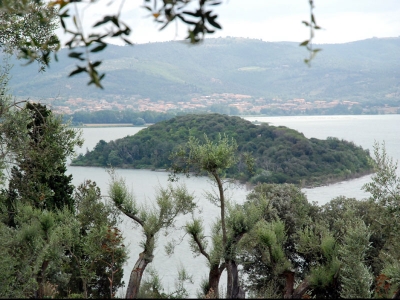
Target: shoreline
column 327, row 182
column 105, row 125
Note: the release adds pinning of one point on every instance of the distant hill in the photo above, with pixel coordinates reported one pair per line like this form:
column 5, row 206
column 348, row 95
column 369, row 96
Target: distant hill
column 367, row 70
column 281, row 154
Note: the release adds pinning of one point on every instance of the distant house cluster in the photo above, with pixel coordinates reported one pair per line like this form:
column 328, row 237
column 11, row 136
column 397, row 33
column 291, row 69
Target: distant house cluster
column 239, row 103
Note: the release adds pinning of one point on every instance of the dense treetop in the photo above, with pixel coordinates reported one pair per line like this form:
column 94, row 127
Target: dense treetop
column 281, row 154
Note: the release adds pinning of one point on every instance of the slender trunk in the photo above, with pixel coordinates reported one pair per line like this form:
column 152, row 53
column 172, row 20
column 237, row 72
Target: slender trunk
column 111, row 287
column 237, row 291
column 289, row 287
column 41, row 279
column 396, row 295
column 229, row 291
column 290, row 292
column 84, row 285
column 301, row 289
column 222, row 201
column 224, row 235
column 136, row 275
column 213, row 280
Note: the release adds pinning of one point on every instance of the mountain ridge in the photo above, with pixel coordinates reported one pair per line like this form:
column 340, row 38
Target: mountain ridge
column 366, row 70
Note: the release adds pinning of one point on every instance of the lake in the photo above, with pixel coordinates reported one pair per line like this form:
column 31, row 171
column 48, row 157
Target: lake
column 362, row 130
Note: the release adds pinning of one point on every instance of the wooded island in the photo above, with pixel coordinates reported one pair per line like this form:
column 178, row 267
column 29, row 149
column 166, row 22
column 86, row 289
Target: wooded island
column 281, row 155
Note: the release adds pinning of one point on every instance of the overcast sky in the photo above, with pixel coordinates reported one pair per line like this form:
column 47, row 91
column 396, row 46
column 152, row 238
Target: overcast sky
column 272, row 20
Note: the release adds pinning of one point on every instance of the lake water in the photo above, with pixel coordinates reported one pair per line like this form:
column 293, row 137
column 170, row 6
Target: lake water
column 362, row 130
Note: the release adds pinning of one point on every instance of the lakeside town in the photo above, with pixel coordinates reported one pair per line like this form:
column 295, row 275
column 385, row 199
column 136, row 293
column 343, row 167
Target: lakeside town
column 234, row 103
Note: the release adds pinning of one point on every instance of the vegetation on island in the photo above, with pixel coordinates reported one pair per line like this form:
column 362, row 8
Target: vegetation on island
column 281, row 155
column 127, row 116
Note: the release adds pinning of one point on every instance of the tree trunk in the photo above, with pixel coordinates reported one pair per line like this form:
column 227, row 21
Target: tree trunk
column 213, row 280
column 290, row 292
column 396, row 295
column 237, row 292
column 289, row 287
column 233, row 288
column 41, row 279
column 301, row 289
column 224, row 235
column 229, row 280
column 136, row 275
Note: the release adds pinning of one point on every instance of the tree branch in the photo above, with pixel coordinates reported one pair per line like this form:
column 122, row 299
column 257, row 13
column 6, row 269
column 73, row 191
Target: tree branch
column 133, row 217
column 201, row 248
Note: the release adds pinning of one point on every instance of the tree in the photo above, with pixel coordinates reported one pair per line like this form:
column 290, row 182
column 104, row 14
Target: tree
column 240, row 219
column 385, row 184
column 26, row 136
column 198, row 244
column 79, row 253
column 170, row 202
column 42, row 182
column 95, row 247
column 28, row 27
column 213, row 158
column 385, row 191
column 31, row 249
column 30, row 234
column 287, row 205
column 355, row 276
column 48, row 236
column 139, row 122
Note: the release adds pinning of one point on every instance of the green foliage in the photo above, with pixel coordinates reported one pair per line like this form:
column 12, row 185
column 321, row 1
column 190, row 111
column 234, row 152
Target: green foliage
column 328, row 244
column 324, row 267
column 355, row 276
column 54, row 243
column 308, row 43
column 280, row 154
column 284, row 213
column 199, row 241
column 121, row 197
column 33, row 248
column 385, row 189
column 27, row 27
column 392, row 271
column 139, row 122
column 385, row 184
column 137, row 118
column 272, row 237
column 322, row 276
column 208, row 156
column 151, row 286
column 96, row 250
column 31, row 134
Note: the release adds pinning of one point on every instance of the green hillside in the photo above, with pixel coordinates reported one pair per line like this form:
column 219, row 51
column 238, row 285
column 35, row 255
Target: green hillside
column 367, row 70
column 281, row 154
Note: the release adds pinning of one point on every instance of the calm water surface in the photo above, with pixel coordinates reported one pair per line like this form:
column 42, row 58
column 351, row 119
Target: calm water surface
column 362, row 130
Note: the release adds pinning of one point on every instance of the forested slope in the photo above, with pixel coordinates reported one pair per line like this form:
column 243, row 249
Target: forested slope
column 366, row 71
column 281, row 154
